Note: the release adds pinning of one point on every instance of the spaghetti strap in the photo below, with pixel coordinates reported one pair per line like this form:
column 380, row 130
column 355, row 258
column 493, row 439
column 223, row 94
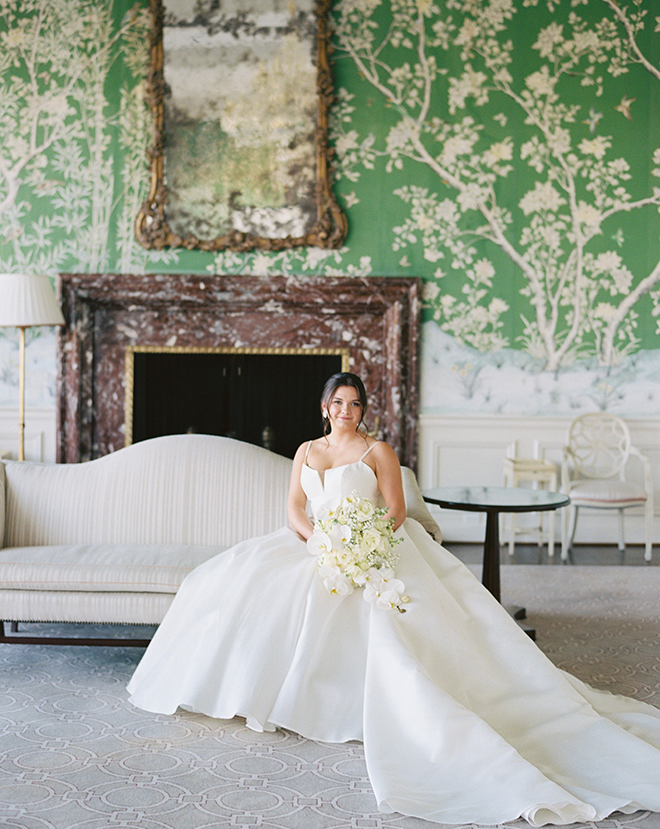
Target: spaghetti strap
column 309, row 446
column 369, row 450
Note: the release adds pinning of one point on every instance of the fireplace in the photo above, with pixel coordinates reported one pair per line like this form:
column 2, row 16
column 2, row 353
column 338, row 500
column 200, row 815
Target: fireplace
column 233, row 392
column 369, row 326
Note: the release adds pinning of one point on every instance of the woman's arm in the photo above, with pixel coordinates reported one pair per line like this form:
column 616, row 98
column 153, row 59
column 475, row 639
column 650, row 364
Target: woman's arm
column 297, row 500
column 388, row 473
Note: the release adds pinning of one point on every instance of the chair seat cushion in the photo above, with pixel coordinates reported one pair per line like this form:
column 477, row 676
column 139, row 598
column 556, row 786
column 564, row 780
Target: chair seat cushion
column 607, row 493
column 132, row 568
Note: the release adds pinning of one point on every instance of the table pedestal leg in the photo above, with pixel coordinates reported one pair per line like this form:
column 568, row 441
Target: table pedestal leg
column 491, row 568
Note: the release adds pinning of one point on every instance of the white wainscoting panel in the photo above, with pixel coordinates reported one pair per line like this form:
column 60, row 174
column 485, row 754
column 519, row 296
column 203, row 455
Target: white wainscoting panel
column 453, row 451
column 469, row 450
column 40, row 427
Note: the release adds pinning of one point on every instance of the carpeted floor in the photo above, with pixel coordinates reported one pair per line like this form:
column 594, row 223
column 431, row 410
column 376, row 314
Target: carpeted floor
column 74, row 754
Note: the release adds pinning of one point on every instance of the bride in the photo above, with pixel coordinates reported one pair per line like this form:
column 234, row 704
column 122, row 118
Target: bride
column 463, row 719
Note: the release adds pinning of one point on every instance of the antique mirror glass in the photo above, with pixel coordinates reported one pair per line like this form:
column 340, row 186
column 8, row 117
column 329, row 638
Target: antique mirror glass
column 239, row 91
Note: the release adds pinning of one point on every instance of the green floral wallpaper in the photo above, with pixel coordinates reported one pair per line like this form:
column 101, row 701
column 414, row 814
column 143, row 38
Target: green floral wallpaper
column 505, row 151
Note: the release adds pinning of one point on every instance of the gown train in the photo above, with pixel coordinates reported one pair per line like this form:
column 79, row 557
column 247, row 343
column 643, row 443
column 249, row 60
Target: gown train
column 463, row 718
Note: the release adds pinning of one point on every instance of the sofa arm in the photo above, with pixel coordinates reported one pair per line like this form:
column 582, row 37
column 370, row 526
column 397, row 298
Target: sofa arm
column 416, row 505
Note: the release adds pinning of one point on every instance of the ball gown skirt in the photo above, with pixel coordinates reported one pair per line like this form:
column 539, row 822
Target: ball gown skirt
column 463, row 718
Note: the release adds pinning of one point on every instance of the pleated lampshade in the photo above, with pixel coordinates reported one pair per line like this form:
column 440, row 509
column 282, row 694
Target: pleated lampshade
column 27, row 300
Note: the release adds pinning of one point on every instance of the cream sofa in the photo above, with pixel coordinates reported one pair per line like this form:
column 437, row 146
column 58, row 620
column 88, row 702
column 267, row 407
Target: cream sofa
column 110, row 541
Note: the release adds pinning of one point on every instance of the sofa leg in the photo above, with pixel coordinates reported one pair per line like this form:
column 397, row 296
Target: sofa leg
column 36, row 639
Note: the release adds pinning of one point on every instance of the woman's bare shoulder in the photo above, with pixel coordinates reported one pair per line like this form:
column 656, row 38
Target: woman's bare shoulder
column 383, row 451
column 380, row 445
column 301, row 451
column 308, row 445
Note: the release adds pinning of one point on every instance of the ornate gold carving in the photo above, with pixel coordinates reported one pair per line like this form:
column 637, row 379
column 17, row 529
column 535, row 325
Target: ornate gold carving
column 132, row 350
column 151, row 225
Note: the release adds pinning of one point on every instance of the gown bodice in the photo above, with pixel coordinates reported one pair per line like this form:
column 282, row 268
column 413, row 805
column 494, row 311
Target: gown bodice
column 327, row 488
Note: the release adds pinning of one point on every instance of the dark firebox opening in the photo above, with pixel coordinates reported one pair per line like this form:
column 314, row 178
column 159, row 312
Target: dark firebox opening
column 270, row 400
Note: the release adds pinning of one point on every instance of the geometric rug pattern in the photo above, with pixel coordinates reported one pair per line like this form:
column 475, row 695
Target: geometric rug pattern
column 74, row 754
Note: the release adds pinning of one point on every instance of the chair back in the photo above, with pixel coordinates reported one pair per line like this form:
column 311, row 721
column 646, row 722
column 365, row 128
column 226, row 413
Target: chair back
column 599, row 445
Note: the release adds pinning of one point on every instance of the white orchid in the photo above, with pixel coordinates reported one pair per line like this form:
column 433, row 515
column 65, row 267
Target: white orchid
column 319, row 543
column 386, row 593
column 340, row 535
column 335, row 581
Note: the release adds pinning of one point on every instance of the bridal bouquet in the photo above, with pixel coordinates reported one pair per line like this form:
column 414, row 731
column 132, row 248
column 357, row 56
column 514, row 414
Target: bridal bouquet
column 354, row 544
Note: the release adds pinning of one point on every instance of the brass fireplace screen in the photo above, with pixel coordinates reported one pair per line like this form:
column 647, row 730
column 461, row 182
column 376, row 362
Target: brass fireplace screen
column 244, row 393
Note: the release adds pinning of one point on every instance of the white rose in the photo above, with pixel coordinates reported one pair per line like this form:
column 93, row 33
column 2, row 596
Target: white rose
column 365, row 510
column 372, row 540
column 344, row 559
column 358, row 575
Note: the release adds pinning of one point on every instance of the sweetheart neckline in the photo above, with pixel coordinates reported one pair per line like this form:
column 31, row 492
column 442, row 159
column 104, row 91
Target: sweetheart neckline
column 321, row 472
column 341, row 466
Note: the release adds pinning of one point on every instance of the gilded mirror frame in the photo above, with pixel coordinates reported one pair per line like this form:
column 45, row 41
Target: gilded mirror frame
column 327, row 229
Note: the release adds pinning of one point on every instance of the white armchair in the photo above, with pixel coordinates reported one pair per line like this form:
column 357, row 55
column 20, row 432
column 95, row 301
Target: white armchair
column 594, row 475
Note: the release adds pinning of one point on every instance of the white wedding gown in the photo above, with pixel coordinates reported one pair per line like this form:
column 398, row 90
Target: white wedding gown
column 463, row 719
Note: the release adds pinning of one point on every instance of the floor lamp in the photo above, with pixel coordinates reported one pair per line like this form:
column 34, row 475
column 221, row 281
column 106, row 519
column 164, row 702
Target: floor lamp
column 26, row 300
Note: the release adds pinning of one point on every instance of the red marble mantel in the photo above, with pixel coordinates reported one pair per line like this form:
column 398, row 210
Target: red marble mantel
column 377, row 319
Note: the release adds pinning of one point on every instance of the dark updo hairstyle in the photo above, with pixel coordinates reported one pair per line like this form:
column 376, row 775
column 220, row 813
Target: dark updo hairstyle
column 343, row 378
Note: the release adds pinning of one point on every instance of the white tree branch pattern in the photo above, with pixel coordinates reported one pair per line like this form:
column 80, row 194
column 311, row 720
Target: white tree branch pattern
column 582, row 294
column 57, row 125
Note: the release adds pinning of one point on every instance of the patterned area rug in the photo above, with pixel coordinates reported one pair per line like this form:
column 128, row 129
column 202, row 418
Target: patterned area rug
column 74, row 754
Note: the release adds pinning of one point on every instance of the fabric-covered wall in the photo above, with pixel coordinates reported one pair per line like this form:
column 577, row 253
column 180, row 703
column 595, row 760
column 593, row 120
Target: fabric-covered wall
column 505, row 150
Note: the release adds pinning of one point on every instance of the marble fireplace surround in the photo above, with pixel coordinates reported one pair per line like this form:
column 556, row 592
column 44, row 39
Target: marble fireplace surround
column 376, row 319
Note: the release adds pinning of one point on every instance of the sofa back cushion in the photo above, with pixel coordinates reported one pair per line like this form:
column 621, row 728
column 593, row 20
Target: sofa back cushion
column 178, row 489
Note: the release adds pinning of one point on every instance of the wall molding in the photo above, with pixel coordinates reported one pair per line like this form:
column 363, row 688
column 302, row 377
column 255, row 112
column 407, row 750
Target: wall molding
column 40, row 431
column 452, row 450
column 462, row 450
